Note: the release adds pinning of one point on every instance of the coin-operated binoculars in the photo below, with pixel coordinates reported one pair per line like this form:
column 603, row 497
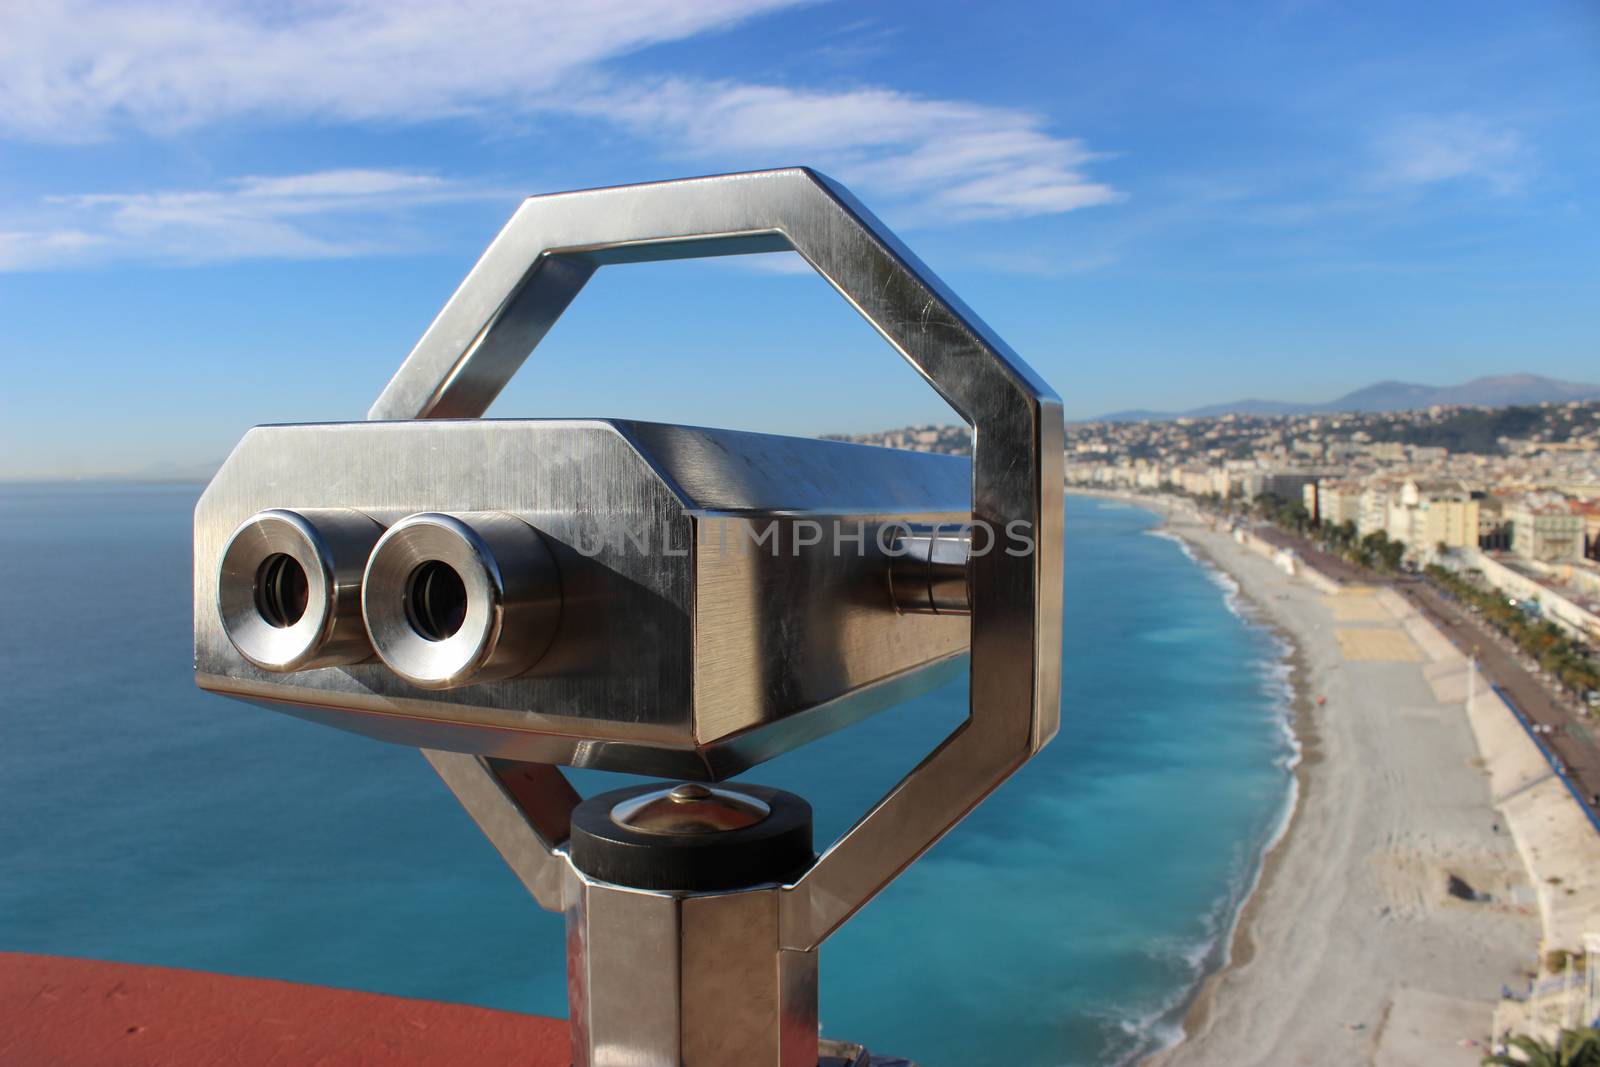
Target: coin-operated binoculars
column 683, row 603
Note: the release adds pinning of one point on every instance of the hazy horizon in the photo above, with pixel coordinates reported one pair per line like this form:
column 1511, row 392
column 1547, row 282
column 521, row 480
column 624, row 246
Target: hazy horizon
column 199, row 471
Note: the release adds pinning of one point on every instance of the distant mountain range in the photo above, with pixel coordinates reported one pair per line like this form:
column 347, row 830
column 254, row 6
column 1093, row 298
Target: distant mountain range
column 1494, row 392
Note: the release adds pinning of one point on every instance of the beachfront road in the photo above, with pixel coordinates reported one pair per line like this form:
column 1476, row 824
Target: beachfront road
column 1568, row 739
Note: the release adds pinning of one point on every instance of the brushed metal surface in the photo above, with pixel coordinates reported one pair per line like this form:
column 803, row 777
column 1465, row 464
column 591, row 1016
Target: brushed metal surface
column 704, row 610
column 658, row 979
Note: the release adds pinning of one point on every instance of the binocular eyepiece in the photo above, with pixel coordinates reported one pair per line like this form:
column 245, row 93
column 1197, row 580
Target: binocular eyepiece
column 443, row 600
column 450, row 600
column 289, row 588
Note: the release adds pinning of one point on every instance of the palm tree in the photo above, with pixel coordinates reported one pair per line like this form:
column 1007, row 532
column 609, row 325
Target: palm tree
column 1573, row 1048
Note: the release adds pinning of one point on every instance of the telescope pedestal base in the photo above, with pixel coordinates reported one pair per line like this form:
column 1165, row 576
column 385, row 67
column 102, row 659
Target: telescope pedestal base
column 674, row 948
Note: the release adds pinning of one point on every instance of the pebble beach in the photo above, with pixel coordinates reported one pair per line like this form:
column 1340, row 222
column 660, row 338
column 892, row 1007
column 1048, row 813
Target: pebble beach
column 1353, row 947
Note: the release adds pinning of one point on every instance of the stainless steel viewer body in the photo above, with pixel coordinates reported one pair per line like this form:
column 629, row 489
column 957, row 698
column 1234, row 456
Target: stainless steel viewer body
column 723, row 595
column 674, row 601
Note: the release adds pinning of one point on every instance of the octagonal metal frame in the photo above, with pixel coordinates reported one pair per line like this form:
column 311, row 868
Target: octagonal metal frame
column 524, row 281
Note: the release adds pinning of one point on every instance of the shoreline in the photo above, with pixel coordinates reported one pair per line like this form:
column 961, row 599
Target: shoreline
column 1239, row 944
column 1348, row 946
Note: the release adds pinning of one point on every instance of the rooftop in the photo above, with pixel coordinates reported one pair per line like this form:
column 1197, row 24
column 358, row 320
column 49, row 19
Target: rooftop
column 54, row 1009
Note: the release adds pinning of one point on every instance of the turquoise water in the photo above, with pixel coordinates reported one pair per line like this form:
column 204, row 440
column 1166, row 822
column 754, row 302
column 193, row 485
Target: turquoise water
column 1065, row 922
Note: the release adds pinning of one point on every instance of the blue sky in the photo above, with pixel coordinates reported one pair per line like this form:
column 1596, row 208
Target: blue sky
column 216, row 215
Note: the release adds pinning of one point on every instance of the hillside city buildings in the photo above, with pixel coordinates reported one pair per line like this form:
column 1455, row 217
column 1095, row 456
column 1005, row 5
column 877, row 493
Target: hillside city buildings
column 1523, row 511
column 1512, row 493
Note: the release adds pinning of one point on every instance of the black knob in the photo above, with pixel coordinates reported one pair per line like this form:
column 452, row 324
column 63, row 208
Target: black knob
column 691, row 837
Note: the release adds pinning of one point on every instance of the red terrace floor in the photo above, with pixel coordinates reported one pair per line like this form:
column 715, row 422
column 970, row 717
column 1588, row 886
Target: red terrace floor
column 84, row 1013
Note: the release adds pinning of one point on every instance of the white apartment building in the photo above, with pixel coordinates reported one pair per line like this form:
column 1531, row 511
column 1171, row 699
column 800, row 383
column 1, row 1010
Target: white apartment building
column 1545, row 528
column 1374, row 514
column 1427, row 514
column 1288, row 484
column 1439, row 514
column 1340, row 502
column 1446, row 519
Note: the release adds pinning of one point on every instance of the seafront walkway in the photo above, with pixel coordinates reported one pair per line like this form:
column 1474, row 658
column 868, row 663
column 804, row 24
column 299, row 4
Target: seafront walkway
column 1567, row 736
column 1570, row 739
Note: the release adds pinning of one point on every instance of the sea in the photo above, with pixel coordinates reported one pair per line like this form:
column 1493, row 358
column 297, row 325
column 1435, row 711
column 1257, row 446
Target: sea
column 1068, row 921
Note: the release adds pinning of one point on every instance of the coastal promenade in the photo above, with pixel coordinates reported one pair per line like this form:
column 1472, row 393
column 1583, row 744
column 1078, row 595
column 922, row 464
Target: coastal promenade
column 1497, row 659
column 1397, row 906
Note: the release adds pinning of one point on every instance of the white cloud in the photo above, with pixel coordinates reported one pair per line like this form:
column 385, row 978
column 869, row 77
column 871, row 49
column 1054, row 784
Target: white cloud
column 303, row 216
column 84, row 70
column 1430, row 149
column 956, row 160
column 75, row 70
column 30, row 249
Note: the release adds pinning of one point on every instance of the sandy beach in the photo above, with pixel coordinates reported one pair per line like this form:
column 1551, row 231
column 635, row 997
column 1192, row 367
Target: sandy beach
column 1353, row 950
